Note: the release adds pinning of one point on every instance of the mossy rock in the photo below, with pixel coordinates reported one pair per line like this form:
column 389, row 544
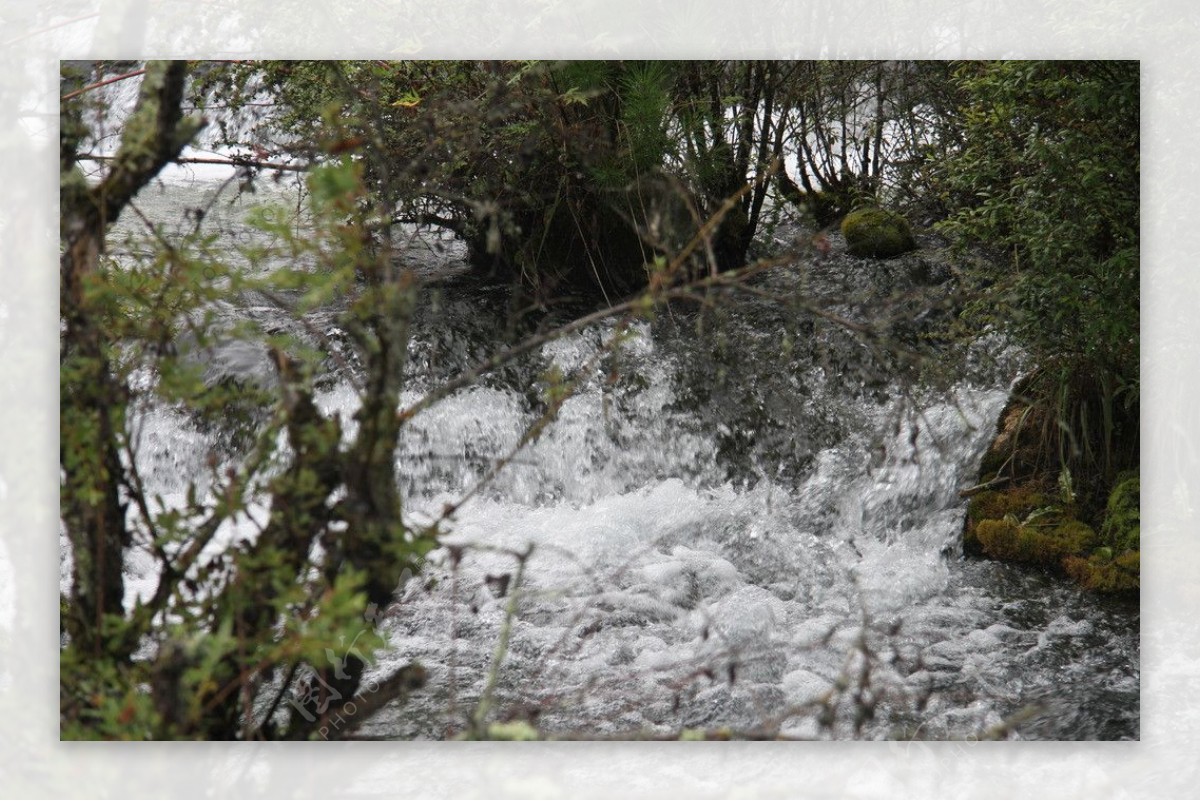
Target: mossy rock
column 1102, row 572
column 998, row 539
column 994, row 504
column 1121, row 529
column 1018, row 502
column 1047, row 546
column 877, row 233
column 1071, row 538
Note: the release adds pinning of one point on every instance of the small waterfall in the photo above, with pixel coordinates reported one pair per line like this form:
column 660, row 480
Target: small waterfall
column 715, row 539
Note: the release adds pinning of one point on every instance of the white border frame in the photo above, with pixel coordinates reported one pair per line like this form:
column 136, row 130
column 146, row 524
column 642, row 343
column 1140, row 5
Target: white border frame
column 35, row 36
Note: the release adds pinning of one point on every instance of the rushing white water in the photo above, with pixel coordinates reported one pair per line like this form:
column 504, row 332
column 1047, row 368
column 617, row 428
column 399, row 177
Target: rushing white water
column 718, row 538
column 657, row 595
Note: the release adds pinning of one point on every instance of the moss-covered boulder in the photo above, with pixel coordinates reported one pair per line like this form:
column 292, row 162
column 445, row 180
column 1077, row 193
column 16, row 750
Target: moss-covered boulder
column 1115, row 566
column 1042, row 545
column 1026, row 524
column 1122, row 525
column 1017, row 502
column 1104, row 572
column 877, row 233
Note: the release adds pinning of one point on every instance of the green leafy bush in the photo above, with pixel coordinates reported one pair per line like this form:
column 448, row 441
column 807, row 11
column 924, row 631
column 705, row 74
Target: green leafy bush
column 1048, row 175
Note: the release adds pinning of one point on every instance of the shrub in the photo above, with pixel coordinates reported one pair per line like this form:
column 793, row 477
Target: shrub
column 1048, row 173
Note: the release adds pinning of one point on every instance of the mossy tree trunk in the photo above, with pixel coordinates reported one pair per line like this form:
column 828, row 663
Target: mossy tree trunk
column 233, row 629
column 92, row 404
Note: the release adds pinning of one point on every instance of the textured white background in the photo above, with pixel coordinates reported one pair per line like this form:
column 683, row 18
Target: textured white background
column 1162, row 34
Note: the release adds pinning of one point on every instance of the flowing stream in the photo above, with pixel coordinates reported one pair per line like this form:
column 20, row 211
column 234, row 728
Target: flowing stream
column 740, row 518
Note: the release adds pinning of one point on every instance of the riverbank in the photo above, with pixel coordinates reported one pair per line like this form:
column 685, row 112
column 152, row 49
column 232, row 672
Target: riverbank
column 1028, row 508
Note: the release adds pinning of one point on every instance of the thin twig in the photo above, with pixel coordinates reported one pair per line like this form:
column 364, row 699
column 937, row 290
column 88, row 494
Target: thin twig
column 98, row 84
column 233, row 161
column 510, row 612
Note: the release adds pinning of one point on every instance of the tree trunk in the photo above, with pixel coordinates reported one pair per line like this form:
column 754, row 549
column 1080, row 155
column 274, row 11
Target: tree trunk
column 92, row 402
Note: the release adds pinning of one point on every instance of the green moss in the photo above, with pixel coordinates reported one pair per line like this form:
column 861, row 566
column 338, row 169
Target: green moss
column 1013, row 542
column 1121, row 529
column 1018, row 502
column 1101, row 572
column 1072, row 538
column 998, row 539
column 877, row 233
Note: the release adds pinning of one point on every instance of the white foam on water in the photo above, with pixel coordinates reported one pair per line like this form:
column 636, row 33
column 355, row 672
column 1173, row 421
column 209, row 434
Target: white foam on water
column 662, row 584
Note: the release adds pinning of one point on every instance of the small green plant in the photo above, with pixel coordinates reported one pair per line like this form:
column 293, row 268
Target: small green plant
column 1066, row 487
